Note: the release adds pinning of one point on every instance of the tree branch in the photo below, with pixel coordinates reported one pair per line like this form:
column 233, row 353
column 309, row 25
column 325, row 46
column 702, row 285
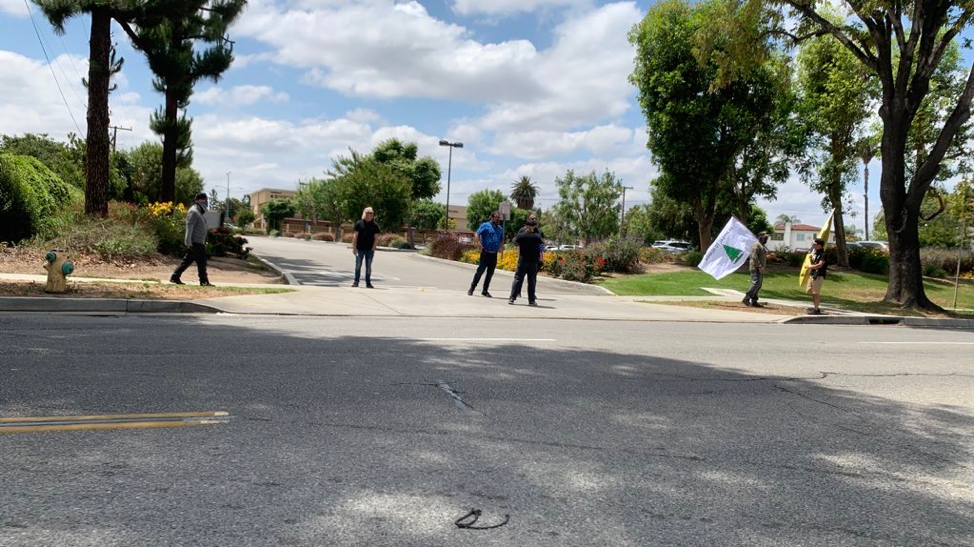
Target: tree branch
column 794, row 38
column 926, row 172
column 139, row 43
column 943, row 205
column 867, row 58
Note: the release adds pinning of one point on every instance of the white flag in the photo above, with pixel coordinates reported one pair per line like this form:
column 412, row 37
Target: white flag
column 729, row 251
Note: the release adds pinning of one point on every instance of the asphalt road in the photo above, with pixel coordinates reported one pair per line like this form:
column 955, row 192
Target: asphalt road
column 383, row 432
column 333, row 264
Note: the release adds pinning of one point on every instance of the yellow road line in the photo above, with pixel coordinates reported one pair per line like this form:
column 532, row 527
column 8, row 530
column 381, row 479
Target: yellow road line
column 113, row 417
column 88, row 427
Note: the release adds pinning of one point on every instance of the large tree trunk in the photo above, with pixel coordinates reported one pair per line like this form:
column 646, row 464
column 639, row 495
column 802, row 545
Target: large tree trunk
column 705, row 224
column 169, row 152
column 97, row 144
column 841, row 250
column 902, row 218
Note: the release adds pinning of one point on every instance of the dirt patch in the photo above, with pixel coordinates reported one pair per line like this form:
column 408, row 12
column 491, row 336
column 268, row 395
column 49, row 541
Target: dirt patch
column 770, row 309
column 142, row 291
column 21, row 260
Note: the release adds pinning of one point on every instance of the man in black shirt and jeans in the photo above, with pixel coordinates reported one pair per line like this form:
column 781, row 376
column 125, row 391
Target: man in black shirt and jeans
column 819, row 269
column 363, row 245
column 529, row 243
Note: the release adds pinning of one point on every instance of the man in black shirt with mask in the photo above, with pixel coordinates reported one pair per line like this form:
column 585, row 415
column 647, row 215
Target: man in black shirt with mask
column 529, row 243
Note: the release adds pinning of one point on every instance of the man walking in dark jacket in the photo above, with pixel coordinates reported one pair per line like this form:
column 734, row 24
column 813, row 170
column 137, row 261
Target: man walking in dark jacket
column 529, row 243
column 195, row 242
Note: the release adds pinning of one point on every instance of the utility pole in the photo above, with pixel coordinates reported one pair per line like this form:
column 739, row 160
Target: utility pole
column 622, row 223
column 227, row 219
column 960, row 250
column 115, row 130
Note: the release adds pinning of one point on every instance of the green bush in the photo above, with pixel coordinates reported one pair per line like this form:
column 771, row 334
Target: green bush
column 31, row 196
column 400, row 243
column 274, row 233
column 869, row 260
column 691, row 258
column 620, row 255
column 946, row 259
column 222, row 242
column 110, row 238
column 170, row 230
column 649, row 255
column 323, row 237
column 934, row 270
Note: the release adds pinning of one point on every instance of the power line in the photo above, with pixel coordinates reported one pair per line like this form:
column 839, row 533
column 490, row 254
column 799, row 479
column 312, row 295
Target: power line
column 46, row 56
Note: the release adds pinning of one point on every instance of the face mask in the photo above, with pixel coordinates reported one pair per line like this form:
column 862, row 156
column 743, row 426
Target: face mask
column 532, row 222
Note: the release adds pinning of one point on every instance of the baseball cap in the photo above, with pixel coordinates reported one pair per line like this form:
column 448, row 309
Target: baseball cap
column 819, row 241
column 201, row 195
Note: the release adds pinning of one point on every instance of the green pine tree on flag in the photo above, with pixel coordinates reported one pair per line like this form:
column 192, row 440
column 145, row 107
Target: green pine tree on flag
column 733, row 253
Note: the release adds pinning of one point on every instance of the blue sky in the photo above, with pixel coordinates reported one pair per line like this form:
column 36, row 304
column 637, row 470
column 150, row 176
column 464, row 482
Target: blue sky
column 532, row 87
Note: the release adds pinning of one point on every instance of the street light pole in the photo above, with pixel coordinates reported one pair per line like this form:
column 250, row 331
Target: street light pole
column 622, row 223
column 227, row 219
column 449, row 168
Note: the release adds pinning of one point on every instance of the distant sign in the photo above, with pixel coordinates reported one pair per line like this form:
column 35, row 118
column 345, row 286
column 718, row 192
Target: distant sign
column 505, row 210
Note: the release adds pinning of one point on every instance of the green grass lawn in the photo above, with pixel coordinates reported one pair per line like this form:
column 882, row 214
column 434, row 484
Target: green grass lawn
column 853, row 290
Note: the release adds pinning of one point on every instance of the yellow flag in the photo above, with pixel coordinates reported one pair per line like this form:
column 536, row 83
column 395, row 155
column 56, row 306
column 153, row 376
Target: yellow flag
column 823, row 234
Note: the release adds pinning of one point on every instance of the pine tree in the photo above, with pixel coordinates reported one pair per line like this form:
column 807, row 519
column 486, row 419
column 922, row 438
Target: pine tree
column 185, row 46
column 101, row 66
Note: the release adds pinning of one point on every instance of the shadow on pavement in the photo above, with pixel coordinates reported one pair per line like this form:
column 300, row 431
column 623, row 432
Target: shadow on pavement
column 350, row 441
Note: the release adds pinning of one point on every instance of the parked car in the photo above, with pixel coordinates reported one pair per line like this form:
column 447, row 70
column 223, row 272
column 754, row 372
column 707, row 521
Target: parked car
column 879, row 245
column 570, row 247
column 673, row 246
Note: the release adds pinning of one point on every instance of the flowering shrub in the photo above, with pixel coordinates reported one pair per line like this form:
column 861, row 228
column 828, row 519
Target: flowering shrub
column 620, row 255
column 168, row 221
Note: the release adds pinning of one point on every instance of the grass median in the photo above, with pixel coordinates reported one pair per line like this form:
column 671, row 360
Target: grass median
column 848, row 289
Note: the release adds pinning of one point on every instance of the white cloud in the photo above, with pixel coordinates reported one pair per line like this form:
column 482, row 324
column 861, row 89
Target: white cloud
column 241, row 95
column 600, row 140
column 14, row 7
column 364, row 115
column 31, row 102
column 508, row 7
column 386, row 50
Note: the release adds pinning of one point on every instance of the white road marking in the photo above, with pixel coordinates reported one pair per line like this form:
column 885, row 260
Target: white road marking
column 924, row 343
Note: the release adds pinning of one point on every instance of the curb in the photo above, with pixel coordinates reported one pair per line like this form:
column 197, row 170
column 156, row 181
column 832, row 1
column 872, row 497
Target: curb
column 880, row 320
column 100, row 305
column 602, row 291
column 288, row 276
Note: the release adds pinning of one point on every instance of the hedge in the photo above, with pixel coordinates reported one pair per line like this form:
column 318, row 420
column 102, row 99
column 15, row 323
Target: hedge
column 30, row 196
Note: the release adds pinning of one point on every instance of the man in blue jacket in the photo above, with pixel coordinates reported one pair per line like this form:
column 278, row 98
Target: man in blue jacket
column 489, row 238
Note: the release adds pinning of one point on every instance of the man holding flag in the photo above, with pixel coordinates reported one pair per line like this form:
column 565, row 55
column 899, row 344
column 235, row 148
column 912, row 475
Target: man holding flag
column 814, row 269
column 759, row 263
column 729, row 251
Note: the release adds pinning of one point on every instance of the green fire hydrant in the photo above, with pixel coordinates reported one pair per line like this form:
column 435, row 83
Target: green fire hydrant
column 58, row 269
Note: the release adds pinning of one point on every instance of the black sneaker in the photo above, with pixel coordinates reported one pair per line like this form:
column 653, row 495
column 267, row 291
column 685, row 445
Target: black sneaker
column 746, row 302
column 511, row 301
column 535, row 304
column 206, row 284
column 756, row 304
column 355, row 284
column 369, row 286
column 470, row 292
column 486, row 294
column 814, row 311
column 175, row 281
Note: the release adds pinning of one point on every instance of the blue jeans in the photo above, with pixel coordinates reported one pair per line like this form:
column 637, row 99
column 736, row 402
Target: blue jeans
column 367, row 256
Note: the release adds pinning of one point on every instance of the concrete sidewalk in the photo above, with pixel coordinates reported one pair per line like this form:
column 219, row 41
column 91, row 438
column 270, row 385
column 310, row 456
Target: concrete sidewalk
column 425, row 302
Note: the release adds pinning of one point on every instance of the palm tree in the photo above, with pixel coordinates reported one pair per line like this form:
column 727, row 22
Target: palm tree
column 785, row 219
column 523, row 192
column 101, row 66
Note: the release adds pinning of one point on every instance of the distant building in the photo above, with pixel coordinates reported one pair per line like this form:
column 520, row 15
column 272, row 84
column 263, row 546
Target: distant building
column 262, row 196
column 796, row 237
column 458, row 214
